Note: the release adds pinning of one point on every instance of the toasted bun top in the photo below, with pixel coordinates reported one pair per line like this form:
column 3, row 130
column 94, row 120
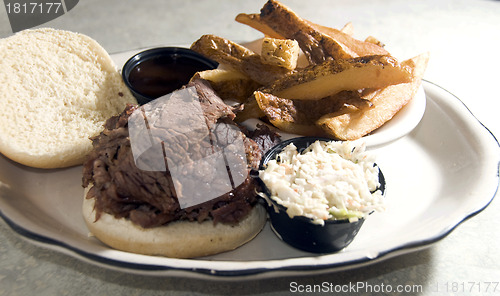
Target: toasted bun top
column 57, row 88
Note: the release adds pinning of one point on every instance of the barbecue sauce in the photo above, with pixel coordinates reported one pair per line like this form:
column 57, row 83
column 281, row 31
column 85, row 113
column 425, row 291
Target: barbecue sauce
column 162, row 75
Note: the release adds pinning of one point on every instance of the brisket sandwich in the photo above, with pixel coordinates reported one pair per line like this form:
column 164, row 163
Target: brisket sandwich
column 173, row 177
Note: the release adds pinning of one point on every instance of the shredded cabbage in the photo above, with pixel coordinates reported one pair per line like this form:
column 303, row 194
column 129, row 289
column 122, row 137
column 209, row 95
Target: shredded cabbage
column 328, row 180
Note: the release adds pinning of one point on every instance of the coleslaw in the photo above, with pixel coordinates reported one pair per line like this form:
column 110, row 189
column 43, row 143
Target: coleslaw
column 328, row 180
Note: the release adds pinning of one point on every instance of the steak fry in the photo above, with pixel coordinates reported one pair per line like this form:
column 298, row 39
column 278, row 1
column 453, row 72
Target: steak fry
column 299, row 116
column 250, row 109
column 348, row 29
column 361, row 48
column 230, row 85
column 284, row 115
column 371, row 46
column 346, row 89
column 238, row 58
column 352, row 125
column 317, row 46
column 253, row 20
column 330, row 77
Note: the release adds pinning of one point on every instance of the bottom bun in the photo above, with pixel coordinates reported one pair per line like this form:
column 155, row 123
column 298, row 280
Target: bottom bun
column 180, row 239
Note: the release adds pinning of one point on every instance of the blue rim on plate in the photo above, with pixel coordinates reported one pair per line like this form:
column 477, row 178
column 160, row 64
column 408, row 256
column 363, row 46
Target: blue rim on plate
column 195, row 268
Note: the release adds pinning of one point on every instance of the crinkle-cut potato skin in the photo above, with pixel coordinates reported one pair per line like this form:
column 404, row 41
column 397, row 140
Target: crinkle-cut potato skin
column 180, row 239
column 319, row 81
column 238, row 58
column 353, row 125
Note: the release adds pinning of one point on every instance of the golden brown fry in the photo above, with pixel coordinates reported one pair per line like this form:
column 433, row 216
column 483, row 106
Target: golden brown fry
column 352, row 47
column 375, row 41
column 348, row 29
column 318, row 47
column 331, row 77
column 238, row 58
column 229, row 84
column 350, row 88
column 253, row 20
column 359, row 101
column 386, row 103
column 361, row 48
column 299, row 116
column 280, row 52
column 250, row 110
column 276, row 108
column 284, row 115
column 299, row 129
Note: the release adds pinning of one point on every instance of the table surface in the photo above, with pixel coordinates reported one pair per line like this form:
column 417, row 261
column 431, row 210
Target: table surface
column 463, row 37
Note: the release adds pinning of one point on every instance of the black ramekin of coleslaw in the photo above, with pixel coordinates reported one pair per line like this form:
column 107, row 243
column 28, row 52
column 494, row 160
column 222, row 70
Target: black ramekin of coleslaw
column 301, row 230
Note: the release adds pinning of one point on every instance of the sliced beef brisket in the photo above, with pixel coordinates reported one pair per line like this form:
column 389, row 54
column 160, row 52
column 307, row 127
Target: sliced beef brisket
column 148, row 198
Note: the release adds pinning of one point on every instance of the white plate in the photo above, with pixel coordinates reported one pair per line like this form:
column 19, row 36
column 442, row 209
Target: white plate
column 442, row 173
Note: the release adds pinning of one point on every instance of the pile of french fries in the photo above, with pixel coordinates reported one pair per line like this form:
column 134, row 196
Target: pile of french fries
column 346, row 89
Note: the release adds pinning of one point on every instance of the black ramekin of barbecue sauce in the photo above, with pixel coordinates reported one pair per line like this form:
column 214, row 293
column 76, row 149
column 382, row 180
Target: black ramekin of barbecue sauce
column 155, row 72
